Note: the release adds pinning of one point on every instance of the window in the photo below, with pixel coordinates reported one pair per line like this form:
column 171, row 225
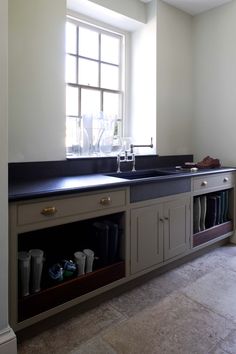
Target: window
column 94, row 89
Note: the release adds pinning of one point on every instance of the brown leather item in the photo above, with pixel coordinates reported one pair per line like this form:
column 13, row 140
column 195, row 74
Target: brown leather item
column 208, row 162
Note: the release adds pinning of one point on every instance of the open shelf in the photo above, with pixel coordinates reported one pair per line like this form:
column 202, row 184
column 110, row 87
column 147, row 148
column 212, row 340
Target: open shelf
column 62, row 292
column 212, row 233
column 59, row 243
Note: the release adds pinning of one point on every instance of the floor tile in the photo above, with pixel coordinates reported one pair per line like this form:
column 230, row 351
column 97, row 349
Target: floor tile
column 175, row 325
column 231, row 263
column 217, row 350
column 229, row 249
column 228, row 345
column 71, row 334
column 148, row 294
column 94, row 346
column 217, row 291
column 202, row 265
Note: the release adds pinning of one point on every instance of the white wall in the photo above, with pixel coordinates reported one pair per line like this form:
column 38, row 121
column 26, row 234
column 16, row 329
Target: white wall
column 174, row 81
column 3, row 167
column 131, row 8
column 36, row 75
column 142, row 122
column 190, row 53
column 36, row 80
column 215, row 84
column 7, row 338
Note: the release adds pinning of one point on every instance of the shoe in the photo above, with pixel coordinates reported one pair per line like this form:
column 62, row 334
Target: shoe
column 208, row 162
column 69, row 268
column 55, row 272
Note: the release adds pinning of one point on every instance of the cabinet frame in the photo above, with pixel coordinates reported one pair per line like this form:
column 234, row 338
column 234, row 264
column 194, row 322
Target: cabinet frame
column 16, row 229
column 215, row 183
column 126, row 208
column 164, row 205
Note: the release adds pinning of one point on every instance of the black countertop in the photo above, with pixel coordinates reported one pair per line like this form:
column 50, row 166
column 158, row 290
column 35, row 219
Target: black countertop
column 48, row 187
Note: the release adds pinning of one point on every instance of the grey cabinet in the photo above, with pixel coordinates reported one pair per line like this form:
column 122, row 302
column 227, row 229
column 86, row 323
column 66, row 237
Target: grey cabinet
column 176, row 227
column 146, row 237
column 218, row 222
column 60, row 226
column 155, row 224
column 159, row 232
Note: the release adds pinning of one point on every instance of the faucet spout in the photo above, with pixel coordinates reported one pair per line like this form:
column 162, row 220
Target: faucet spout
column 132, row 146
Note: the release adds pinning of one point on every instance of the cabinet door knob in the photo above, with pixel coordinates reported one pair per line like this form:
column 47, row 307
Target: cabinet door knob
column 226, row 179
column 204, row 183
column 166, row 218
column 105, row 201
column 50, row 211
column 161, row 220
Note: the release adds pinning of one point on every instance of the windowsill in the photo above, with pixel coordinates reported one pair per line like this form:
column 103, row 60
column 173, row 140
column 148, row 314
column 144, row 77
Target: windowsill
column 105, row 156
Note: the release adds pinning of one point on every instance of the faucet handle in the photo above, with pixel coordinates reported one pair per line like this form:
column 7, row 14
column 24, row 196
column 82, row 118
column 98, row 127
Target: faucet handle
column 118, row 163
column 151, row 145
column 133, row 159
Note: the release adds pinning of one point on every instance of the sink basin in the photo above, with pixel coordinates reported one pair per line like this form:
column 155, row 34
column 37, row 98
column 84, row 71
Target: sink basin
column 139, row 174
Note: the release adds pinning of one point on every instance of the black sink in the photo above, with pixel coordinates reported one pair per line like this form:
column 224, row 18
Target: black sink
column 139, row 174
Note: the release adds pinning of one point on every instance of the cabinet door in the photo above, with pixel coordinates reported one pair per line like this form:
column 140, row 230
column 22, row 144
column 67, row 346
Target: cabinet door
column 146, row 237
column 176, row 227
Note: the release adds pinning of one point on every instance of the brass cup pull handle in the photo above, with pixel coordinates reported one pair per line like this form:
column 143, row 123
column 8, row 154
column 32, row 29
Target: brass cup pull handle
column 105, row 201
column 204, row 183
column 226, row 179
column 50, row 211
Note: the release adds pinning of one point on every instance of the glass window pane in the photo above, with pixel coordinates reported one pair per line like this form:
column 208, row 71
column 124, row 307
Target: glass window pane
column 111, row 104
column 90, row 101
column 71, row 69
column 71, row 131
column 88, row 72
column 110, row 49
column 71, row 39
column 88, row 43
column 72, row 101
column 109, row 77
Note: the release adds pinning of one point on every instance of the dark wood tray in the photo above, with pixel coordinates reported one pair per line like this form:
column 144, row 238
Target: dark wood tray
column 51, row 297
column 214, row 232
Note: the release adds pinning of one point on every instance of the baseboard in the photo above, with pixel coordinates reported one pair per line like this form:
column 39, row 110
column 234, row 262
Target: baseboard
column 8, row 344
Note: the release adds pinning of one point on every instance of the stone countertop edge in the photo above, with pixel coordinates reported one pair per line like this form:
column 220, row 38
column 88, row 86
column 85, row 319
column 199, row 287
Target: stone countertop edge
column 56, row 186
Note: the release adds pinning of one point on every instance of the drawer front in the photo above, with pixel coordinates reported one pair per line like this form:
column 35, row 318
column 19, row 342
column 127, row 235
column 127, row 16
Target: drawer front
column 28, row 213
column 204, row 183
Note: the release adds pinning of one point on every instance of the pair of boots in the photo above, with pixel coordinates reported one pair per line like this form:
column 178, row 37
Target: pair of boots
column 106, row 239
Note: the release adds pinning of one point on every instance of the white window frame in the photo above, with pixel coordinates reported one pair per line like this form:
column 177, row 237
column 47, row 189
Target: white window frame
column 123, row 36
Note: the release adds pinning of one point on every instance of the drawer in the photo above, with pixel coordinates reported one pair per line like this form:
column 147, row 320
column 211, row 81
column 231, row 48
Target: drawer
column 207, row 183
column 33, row 212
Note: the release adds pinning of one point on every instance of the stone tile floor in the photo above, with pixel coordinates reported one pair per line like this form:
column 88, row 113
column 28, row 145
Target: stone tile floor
column 188, row 310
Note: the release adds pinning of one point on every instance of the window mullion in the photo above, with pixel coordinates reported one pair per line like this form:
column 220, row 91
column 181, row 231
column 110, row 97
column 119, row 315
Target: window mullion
column 102, row 100
column 99, row 60
column 99, row 72
column 77, row 59
column 120, row 64
column 79, row 101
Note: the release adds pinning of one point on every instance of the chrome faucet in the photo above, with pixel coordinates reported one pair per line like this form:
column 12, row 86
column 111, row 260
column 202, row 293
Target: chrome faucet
column 132, row 146
column 127, row 157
